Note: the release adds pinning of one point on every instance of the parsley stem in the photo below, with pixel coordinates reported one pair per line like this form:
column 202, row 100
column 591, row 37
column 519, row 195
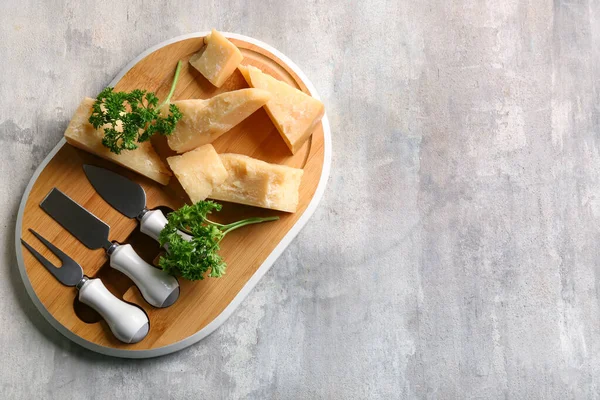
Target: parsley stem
column 233, row 226
column 185, row 230
column 244, row 222
column 213, row 222
column 175, row 79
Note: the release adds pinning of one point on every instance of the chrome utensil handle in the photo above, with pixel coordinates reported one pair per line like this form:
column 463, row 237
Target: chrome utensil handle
column 153, row 222
column 158, row 288
column 127, row 322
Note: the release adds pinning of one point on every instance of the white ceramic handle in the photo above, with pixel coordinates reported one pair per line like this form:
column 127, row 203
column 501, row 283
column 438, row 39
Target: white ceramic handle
column 153, row 222
column 127, row 322
column 158, row 288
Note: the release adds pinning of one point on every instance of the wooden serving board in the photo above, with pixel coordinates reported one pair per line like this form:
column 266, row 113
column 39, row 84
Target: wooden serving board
column 249, row 252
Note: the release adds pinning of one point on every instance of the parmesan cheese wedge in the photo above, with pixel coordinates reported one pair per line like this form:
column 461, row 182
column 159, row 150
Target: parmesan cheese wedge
column 294, row 113
column 218, row 59
column 204, row 121
column 199, row 171
column 258, row 183
column 144, row 160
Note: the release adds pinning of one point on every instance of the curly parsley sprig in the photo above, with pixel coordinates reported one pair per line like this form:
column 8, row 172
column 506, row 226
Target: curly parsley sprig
column 194, row 258
column 133, row 117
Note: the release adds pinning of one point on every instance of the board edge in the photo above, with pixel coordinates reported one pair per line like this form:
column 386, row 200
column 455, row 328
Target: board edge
column 256, row 277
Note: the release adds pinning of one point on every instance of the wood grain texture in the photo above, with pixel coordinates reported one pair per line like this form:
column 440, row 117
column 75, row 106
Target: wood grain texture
column 244, row 250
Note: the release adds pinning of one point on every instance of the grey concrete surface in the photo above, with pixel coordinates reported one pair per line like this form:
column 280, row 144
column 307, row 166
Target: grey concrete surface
column 455, row 253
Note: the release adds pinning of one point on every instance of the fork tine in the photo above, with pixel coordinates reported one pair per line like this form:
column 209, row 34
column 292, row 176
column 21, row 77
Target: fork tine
column 69, row 274
column 51, row 267
column 57, row 252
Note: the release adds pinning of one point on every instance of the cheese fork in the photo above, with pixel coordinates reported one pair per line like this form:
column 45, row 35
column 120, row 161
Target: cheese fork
column 127, row 322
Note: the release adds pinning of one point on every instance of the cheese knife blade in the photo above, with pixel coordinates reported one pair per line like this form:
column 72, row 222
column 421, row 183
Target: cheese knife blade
column 124, row 195
column 129, row 198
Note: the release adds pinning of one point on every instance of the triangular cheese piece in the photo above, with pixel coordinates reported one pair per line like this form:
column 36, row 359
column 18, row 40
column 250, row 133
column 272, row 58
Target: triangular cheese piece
column 199, row 171
column 294, row 113
column 204, row 121
column 218, row 59
column 144, row 160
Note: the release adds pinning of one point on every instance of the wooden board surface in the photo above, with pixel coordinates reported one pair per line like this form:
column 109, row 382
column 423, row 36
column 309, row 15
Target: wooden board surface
column 244, row 250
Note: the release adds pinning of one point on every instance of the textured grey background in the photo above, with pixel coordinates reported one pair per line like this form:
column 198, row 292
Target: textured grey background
column 454, row 254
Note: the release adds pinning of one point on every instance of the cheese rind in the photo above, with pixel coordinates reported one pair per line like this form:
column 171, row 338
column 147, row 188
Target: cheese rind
column 199, row 171
column 144, row 160
column 258, row 183
column 218, row 59
column 204, row 121
column 294, row 113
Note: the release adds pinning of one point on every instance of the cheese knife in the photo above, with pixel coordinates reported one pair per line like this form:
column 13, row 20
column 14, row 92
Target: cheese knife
column 129, row 198
column 157, row 287
column 127, row 322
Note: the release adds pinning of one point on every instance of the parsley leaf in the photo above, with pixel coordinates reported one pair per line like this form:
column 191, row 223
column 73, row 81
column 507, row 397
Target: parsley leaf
column 199, row 256
column 128, row 118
